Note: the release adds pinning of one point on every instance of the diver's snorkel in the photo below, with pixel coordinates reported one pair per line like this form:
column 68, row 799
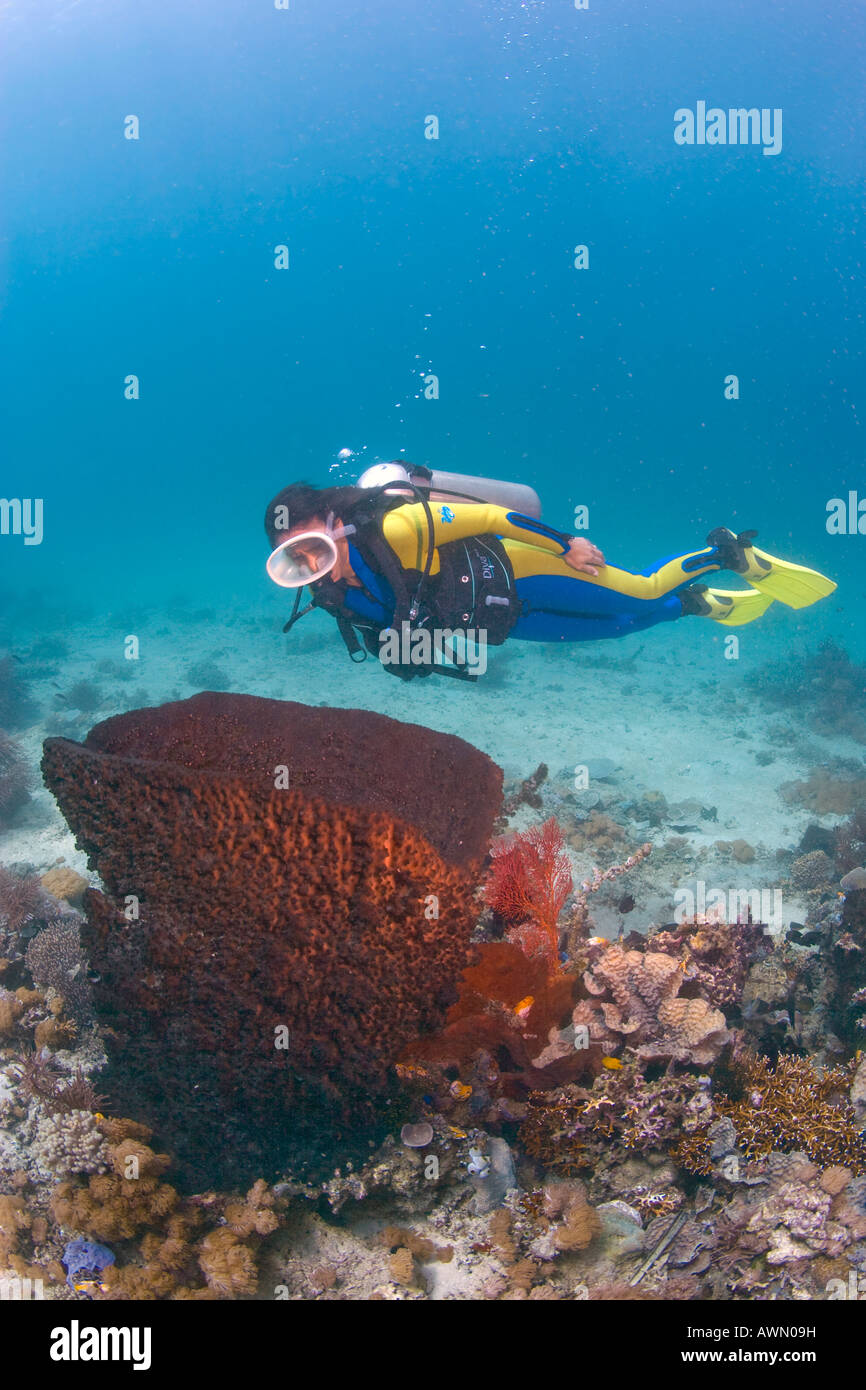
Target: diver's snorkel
column 307, row 556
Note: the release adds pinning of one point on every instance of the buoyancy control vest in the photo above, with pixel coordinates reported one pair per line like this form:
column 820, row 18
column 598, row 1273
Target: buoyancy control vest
column 472, row 595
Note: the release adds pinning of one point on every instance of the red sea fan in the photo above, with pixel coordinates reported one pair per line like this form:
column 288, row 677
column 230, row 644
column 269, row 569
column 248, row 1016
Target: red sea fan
column 530, row 879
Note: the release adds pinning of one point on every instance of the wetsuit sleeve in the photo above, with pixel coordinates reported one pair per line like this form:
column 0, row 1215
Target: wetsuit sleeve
column 406, row 528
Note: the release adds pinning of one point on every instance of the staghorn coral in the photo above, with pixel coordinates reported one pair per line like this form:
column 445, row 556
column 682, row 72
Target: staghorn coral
column 634, row 999
column 56, row 961
column 70, row 1142
column 530, row 878
column 787, row 1107
column 349, row 933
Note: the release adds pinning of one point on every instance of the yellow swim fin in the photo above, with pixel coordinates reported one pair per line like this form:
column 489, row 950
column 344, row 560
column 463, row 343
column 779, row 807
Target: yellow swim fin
column 730, row 607
column 794, row 585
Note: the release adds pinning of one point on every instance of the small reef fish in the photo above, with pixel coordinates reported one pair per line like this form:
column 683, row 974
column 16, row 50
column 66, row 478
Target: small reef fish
column 406, row 1070
column 612, row 1063
column 522, row 1009
column 459, row 1091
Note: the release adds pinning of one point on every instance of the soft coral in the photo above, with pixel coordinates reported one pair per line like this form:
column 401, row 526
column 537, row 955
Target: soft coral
column 530, row 879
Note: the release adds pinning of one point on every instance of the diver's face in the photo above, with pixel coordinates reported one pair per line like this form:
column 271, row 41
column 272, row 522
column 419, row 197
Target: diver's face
column 312, row 555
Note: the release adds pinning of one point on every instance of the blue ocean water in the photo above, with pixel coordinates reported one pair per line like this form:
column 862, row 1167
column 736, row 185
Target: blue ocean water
column 304, row 126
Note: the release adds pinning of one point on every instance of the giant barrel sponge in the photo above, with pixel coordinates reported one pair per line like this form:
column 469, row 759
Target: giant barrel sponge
column 288, row 902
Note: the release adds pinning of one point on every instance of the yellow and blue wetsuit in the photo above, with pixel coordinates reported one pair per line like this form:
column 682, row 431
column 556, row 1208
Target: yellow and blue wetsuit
column 559, row 603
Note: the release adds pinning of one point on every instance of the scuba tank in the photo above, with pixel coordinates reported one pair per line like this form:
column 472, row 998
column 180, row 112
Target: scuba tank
column 514, row 497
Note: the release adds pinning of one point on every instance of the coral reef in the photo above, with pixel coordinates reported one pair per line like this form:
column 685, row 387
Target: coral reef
column 300, row 920
column 573, row 1128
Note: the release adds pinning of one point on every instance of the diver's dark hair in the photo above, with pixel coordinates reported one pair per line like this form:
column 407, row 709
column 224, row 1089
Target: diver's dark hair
column 301, row 502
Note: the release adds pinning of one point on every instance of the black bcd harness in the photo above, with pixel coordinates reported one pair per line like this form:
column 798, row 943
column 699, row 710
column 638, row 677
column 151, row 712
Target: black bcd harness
column 472, row 597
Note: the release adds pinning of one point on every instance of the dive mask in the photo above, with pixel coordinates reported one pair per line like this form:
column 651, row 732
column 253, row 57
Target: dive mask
column 306, row 557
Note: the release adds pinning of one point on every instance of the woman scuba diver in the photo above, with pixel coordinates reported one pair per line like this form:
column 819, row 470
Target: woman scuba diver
column 414, row 561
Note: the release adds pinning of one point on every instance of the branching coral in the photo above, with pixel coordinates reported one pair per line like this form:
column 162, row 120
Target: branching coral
column 787, row 1107
column 530, row 879
column 572, row 1128
column 55, row 959
column 579, row 921
column 70, row 1142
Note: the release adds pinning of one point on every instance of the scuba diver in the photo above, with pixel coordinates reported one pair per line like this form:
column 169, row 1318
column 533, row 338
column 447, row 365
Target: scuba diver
column 409, row 562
